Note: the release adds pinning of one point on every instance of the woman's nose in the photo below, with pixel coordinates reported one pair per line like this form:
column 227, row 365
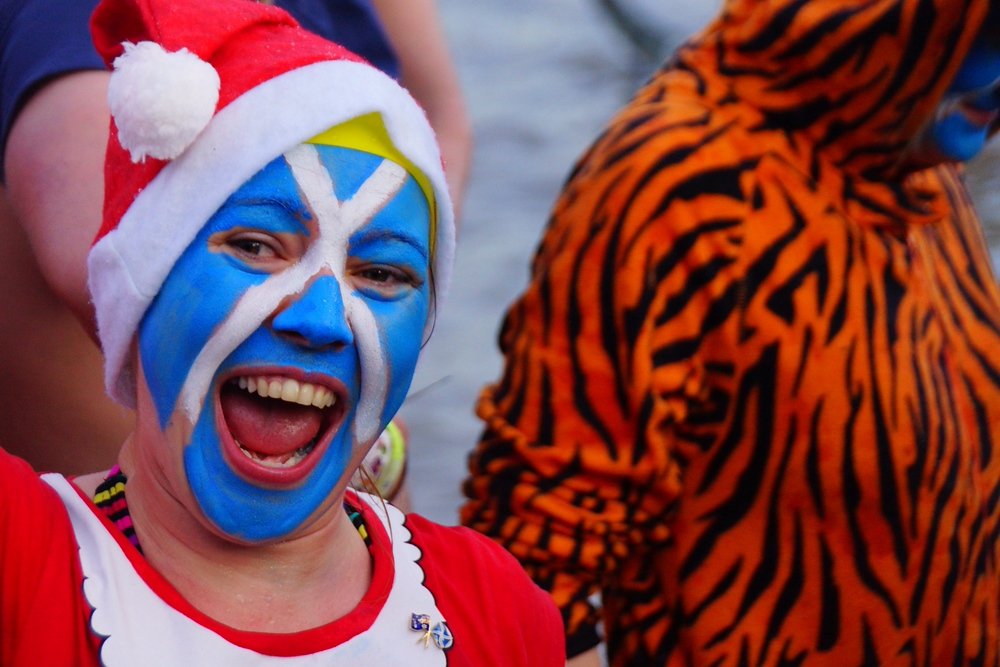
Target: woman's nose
column 315, row 316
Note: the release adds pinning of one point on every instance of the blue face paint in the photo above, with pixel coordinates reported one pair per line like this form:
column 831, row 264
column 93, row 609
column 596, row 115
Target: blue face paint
column 397, row 239
column 346, row 316
column 957, row 138
column 964, row 119
column 203, row 285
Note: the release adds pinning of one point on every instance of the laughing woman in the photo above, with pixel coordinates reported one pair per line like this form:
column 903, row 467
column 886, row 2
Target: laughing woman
column 277, row 231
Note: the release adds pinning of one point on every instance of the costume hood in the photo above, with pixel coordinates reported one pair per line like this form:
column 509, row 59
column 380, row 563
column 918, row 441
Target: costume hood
column 857, row 79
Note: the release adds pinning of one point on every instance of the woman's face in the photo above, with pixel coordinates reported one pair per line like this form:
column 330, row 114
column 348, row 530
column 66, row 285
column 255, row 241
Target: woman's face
column 286, row 335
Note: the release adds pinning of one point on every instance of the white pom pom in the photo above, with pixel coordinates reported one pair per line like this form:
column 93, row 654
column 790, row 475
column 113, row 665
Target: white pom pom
column 160, row 100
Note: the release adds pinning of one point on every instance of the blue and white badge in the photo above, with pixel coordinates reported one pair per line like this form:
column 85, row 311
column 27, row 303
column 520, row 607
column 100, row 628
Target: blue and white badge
column 439, row 633
column 443, row 638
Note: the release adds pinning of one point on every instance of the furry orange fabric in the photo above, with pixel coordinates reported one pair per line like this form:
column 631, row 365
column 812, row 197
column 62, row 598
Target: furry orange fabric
column 752, row 393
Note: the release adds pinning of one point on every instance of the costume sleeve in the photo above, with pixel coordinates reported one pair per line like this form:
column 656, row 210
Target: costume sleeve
column 42, row 611
column 577, row 468
column 39, row 41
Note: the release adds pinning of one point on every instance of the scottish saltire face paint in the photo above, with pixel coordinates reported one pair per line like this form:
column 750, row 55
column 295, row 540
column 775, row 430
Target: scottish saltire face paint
column 287, row 333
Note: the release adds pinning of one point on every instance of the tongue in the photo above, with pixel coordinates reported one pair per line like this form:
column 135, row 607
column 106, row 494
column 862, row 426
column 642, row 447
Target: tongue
column 269, row 426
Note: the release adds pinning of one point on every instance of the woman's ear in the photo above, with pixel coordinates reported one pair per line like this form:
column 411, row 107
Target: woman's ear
column 134, row 369
column 134, row 362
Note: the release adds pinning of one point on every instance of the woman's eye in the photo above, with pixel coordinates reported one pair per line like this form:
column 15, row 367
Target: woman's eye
column 388, row 281
column 256, row 249
column 252, row 247
column 379, row 275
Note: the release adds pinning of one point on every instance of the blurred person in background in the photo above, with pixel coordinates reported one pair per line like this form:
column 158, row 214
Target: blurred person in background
column 53, row 131
column 751, row 395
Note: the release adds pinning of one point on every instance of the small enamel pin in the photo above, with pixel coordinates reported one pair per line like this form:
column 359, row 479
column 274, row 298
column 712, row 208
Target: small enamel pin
column 439, row 633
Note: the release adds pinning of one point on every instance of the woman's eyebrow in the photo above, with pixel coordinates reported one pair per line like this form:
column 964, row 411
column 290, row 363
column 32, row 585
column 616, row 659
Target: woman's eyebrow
column 295, row 206
column 296, row 210
column 372, row 235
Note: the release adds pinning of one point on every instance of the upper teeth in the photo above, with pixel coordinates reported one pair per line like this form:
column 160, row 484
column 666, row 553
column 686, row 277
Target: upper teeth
column 286, row 389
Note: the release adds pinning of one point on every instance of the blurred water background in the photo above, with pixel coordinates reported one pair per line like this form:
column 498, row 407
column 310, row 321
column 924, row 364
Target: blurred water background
column 541, row 78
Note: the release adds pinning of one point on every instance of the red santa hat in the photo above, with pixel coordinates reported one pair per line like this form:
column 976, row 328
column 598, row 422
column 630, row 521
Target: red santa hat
column 203, row 94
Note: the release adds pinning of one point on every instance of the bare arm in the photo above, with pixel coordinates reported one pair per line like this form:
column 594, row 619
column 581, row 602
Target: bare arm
column 58, row 416
column 589, row 659
column 429, row 73
column 55, row 180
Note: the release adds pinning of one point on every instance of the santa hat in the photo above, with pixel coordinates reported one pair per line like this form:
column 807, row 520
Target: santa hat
column 203, row 94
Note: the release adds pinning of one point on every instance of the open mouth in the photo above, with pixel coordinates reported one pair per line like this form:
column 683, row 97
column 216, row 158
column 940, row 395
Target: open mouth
column 276, row 425
column 977, row 116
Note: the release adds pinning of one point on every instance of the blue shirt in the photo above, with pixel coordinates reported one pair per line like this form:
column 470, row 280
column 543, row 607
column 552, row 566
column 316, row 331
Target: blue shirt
column 42, row 39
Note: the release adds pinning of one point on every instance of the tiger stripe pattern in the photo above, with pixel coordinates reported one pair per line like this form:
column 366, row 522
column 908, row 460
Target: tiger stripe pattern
column 751, row 395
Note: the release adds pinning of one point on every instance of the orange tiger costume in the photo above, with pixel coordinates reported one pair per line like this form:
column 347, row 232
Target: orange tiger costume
column 752, row 393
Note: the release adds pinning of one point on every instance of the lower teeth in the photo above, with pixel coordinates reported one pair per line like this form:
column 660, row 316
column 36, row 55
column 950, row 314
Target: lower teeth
column 288, row 461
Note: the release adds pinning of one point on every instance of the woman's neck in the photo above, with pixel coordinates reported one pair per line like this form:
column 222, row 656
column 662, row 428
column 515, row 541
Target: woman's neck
column 310, row 579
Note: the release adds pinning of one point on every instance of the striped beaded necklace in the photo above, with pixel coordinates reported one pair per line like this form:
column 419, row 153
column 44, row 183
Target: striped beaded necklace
column 110, row 500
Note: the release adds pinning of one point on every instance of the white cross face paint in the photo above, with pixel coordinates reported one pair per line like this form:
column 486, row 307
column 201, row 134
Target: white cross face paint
column 286, row 335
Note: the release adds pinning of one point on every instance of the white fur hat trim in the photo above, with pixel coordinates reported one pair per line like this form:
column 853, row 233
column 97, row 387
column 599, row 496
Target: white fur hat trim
column 160, row 100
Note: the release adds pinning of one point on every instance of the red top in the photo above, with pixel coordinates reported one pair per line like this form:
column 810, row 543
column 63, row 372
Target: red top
column 54, row 540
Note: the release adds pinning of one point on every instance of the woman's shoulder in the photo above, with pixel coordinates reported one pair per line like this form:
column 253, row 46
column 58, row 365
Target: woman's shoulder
column 485, row 593
column 452, row 542
column 32, row 515
column 21, row 486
